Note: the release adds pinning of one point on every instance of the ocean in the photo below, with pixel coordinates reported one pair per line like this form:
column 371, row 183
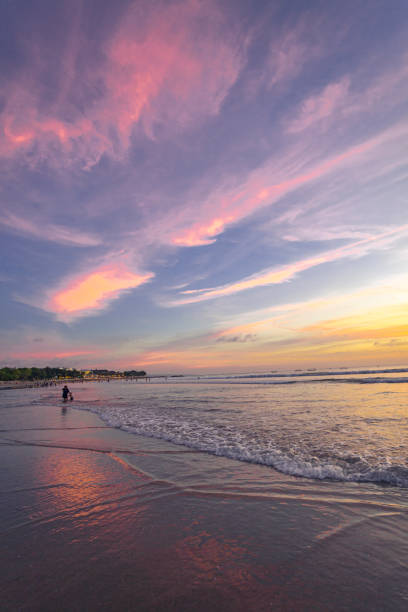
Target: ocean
column 345, row 425
column 263, row 491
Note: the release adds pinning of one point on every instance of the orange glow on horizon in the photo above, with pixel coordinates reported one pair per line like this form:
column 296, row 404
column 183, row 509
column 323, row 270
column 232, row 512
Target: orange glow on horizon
column 365, row 336
column 390, row 322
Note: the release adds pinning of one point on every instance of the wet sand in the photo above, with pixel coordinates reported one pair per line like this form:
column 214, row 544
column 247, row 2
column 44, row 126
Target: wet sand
column 93, row 518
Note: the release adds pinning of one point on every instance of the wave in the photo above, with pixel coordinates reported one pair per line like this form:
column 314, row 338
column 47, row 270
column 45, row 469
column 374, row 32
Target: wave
column 363, row 381
column 235, row 444
column 309, row 373
column 255, row 379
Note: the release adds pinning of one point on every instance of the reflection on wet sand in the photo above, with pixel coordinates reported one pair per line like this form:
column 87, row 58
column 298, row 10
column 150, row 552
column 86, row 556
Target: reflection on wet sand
column 99, row 519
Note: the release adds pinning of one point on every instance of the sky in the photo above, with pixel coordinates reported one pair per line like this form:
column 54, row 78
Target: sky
column 198, row 186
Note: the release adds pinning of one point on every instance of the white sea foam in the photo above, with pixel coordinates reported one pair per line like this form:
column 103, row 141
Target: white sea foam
column 316, row 431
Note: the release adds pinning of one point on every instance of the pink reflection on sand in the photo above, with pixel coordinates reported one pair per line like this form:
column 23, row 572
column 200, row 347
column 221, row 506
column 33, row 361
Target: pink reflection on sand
column 214, row 558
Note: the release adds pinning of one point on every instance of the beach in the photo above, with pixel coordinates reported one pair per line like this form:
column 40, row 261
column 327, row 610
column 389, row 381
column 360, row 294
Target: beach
column 97, row 518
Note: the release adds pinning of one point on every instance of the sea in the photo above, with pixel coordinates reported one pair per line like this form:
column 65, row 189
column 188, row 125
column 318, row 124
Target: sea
column 257, row 491
column 343, row 424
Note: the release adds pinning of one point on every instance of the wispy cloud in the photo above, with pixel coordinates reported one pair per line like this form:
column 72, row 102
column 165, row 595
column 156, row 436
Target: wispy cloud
column 230, row 205
column 160, row 69
column 315, row 317
column 318, row 107
column 341, row 99
column 289, row 271
column 293, row 47
column 174, row 73
column 217, row 147
column 93, row 291
column 49, row 231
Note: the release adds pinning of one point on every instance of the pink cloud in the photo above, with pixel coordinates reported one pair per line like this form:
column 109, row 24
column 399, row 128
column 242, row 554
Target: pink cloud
column 202, row 234
column 172, row 74
column 27, row 129
column 201, row 222
column 288, row 272
column 291, row 50
column 320, row 106
column 338, row 100
column 232, row 205
column 162, row 69
column 94, row 291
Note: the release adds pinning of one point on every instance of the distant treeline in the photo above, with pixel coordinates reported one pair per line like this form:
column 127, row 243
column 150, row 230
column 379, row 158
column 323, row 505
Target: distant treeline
column 37, row 373
column 48, row 373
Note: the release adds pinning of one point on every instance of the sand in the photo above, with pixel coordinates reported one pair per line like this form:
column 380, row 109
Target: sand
column 94, row 518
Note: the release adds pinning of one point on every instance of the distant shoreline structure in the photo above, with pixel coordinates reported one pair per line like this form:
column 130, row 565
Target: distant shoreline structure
column 50, row 375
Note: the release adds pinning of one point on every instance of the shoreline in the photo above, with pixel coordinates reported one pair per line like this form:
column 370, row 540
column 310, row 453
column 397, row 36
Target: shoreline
column 6, row 385
column 131, row 522
column 41, row 383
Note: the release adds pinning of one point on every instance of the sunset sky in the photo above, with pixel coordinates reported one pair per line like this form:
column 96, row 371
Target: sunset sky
column 202, row 186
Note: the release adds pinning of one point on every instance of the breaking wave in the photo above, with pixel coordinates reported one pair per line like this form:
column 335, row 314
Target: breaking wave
column 324, row 431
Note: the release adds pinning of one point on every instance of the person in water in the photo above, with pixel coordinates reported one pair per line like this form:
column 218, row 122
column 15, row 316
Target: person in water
column 65, row 393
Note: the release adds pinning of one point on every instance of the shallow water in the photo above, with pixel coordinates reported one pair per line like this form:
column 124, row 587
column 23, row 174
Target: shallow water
column 312, row 428
column 97, row 518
